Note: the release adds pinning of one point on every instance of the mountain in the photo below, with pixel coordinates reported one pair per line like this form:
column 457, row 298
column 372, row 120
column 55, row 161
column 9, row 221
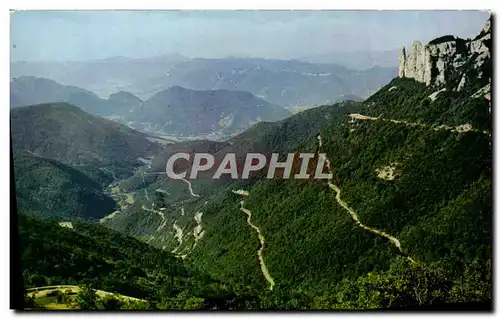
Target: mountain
column 347, row 97
column 175, row 111
column 101, row 148
column 282, row 82
column 263, row 137
column 30, row 90
column 180, row 111
column 405, row 220
column 121, row 102
column 48, row 188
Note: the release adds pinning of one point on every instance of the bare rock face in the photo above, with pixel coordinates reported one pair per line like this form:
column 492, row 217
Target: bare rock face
column 402, row 61
column 417, row 64
column 462, row 83
column 479, row 45
column 429, row 63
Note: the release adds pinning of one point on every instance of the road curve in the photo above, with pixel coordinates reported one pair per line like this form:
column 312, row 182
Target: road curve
column 263, row 267
column 393, row 240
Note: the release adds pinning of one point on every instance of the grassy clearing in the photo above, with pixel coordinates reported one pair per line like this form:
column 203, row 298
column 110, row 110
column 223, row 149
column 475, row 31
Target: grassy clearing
column 51, row 297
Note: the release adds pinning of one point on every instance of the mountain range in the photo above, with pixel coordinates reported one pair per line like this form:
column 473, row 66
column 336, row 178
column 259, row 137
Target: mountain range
column 404, row 221
column 282, row 82
column 175, row 111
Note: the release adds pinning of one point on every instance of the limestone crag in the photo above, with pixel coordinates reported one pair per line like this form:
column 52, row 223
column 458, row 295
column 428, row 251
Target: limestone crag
column 429, row 63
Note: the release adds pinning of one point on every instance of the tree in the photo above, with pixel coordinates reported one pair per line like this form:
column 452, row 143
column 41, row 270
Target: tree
column 110, row 302
column 87, row 298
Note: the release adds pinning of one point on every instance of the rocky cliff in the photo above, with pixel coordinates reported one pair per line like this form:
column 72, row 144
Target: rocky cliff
column 431, row 63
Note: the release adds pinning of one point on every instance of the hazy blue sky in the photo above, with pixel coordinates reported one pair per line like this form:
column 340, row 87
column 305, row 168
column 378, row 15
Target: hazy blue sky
column 82, row 35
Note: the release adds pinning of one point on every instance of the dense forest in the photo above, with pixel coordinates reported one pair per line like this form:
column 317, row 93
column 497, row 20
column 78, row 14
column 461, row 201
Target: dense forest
column 48, row 188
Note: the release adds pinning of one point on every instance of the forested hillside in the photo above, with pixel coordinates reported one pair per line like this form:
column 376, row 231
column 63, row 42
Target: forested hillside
column 102, row 149
column 405, row 220
column 49, row 188
column 89, row 254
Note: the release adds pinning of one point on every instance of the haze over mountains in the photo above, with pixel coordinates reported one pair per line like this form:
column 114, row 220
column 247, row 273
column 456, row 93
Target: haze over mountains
column 282, row 82
column 358, row 60
column 175, row 111
column 178, row 92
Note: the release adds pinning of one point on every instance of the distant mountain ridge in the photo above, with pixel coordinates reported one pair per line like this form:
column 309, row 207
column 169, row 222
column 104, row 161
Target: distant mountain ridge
column 282, row 82
column 174, row 111
column 357, row 60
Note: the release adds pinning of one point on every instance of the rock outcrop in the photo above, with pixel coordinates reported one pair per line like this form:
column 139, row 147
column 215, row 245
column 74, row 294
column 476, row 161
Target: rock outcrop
column 430, row 63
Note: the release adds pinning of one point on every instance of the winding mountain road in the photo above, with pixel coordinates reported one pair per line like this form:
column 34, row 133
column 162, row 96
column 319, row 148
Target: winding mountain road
column 263, row 267
column 393, row 240
column 190, row 188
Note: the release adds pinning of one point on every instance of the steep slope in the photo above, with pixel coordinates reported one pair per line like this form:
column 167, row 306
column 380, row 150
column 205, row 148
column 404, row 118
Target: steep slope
column 63, row 132
column 436, row 61
column 179, row 111
column 90, row 254
column 151, row 186
column 404, row 221
column 48, row 188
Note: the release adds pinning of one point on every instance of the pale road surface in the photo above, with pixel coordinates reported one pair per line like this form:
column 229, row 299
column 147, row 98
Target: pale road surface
column 161, row 173
column 393, row 240
column 145, row 188
column 178, row 235
column 458, row 129
column 263, row 267
column 190, row 188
